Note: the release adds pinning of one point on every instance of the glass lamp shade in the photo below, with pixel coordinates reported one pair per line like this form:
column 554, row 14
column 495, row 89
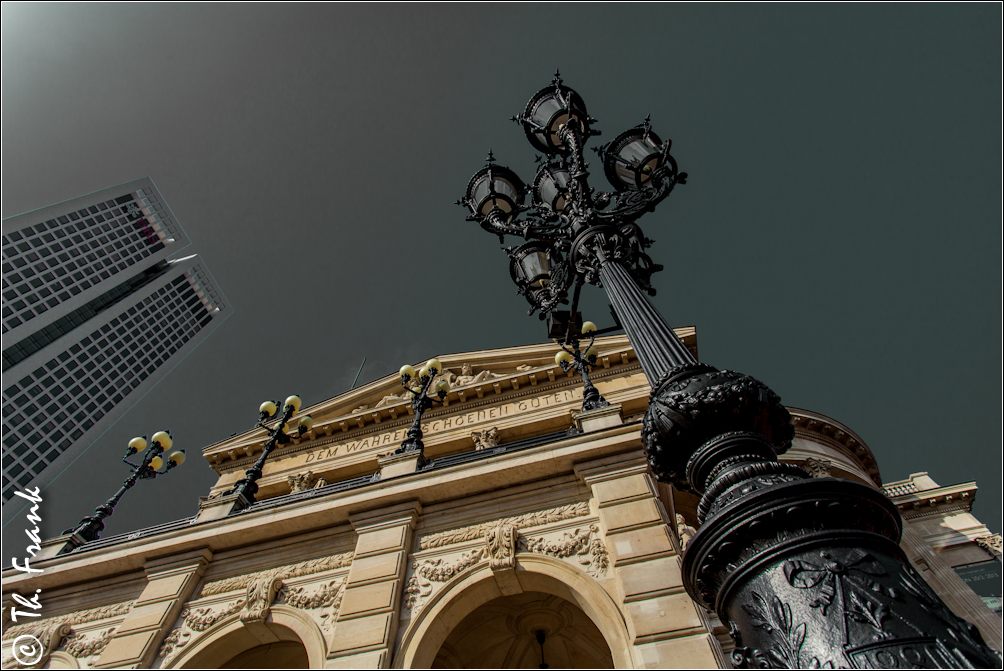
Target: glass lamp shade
column 495, row 187
column 550, row 187
column 305, row 424
column 156, row 463
column 163, row 439
column 632, row 157
column 590, row 353
column 442, row 387
column 563, row 357
column 529, row 265
column 434, row 366
column 267, row 408
column 137, row 445
column 177, row 458
column 407, row 372
column 424, row 372
column 588, row 327
column 294, row 402
column 547, row 111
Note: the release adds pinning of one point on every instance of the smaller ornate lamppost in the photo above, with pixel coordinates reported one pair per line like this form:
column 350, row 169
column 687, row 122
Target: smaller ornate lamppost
column 571, row 356
column 420, row 383
column 152, row 465
column 247, row 487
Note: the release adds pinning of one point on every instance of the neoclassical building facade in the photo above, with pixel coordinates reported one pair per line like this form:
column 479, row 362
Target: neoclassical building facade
column 531, row 533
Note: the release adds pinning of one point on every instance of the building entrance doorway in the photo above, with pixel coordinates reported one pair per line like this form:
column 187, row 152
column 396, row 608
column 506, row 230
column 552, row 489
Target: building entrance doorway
column 525, row 631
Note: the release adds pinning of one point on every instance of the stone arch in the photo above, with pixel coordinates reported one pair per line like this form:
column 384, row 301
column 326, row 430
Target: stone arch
column 476, row 586
column 63, row 660
column 230, row 637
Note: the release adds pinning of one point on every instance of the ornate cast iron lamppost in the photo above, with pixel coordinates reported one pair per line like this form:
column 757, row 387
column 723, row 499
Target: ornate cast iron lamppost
column 247, row 487
column 152, row 465
column 571, row 356
column 419, row 384
column 803, row 572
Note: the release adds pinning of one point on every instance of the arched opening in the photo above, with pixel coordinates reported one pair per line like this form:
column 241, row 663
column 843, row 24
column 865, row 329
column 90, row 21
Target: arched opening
column 288, row 639
column 525, row 631
column 281, row 655
column 447, row 609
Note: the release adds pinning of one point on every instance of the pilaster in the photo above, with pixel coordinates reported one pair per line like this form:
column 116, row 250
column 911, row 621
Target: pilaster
column 666, row 628
column 368, row 618
column 170, row 582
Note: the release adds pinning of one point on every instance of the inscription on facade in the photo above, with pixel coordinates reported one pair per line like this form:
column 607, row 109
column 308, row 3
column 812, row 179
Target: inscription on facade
column 472, row 418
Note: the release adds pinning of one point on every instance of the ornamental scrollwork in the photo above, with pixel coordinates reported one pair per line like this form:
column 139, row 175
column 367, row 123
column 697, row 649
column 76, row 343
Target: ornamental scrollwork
column 475, row 531
column 81, row 646
column 581, row 543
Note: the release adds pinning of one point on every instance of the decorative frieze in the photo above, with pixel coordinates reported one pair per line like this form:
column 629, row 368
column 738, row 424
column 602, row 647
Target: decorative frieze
column 583, row 544
column 475, row 531
column 502, row 543
column 286, row 572
column 40, row 638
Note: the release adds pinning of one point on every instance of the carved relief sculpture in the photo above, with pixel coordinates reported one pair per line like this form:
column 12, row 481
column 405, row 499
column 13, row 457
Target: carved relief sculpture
column 684, row 531
column 485, row 439
column 301, row 481
column 818, row 468
column 500, row 547
column 260, row 595
column 991, row 544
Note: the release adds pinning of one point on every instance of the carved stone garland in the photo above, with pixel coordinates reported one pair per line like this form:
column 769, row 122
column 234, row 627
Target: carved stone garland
column 45, row 636
column 261, row 589
column 501, row 545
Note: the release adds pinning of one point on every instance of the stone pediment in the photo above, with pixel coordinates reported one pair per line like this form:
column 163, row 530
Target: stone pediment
column 489, row 389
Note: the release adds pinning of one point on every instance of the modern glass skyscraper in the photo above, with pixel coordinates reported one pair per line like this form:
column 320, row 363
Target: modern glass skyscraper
column 94, row 313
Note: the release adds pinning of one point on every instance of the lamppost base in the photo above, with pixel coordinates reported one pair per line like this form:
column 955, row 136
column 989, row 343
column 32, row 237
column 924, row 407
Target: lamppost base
column 599, row 418
column 805, row 572
column 400, row 463
column 218, row 507
column 67, row 542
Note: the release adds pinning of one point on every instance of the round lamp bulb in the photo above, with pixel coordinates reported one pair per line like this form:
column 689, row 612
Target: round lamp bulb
column 306, row 423
column 588, row 327
column 177, row 458
column 424, row 372
column 293, row 402
column 156, row 463
column 137, row 444
column 267, row 408
column 443, row 386
column 590, row 353
column 407, row 372
column 163, row 439
column 563, row 357
column 434, row 366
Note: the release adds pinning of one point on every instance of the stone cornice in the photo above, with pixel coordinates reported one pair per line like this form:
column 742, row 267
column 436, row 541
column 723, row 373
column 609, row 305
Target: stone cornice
column 304, row 516
column 617, row 352
column 816, row 426
column 920, row 502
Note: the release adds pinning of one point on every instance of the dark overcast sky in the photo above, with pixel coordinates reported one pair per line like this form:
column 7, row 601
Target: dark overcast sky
column 839, row 237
